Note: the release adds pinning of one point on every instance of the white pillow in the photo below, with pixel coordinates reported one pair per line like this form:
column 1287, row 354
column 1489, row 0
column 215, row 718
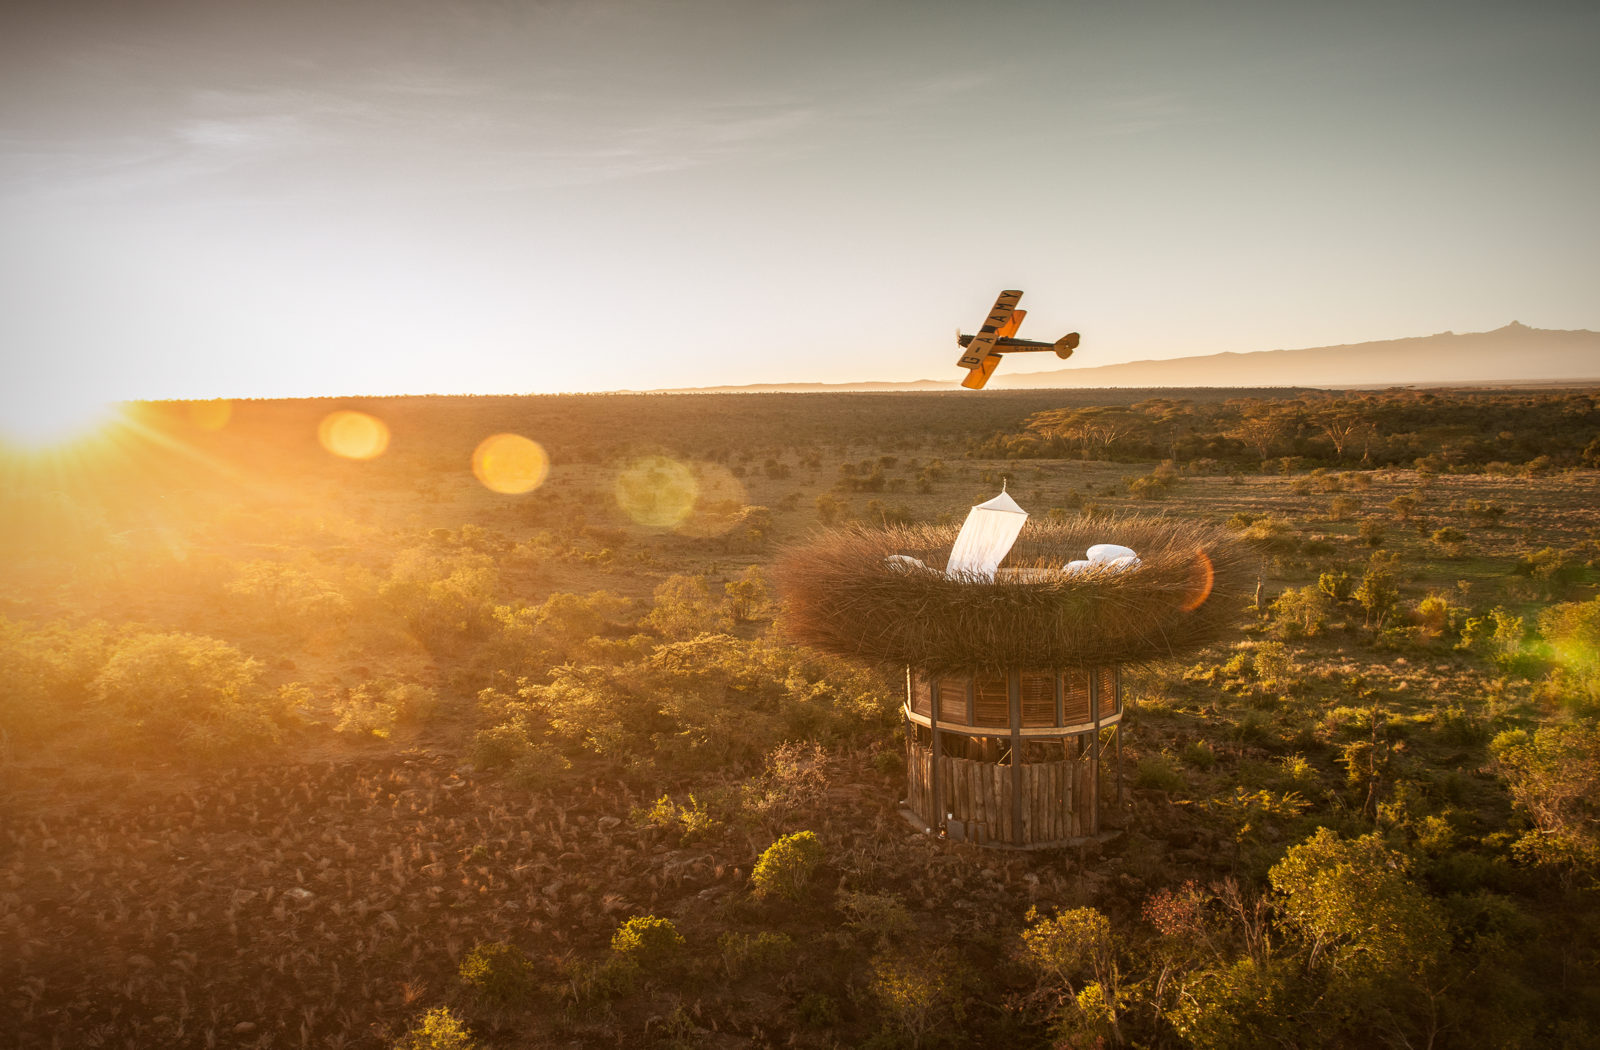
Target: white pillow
column 1104, row 552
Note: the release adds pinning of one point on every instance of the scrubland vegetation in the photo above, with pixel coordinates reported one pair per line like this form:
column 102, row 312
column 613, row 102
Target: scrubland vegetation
column 304, row 751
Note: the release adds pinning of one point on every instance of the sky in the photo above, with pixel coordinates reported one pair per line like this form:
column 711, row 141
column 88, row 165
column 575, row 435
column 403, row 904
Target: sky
column 289, row 198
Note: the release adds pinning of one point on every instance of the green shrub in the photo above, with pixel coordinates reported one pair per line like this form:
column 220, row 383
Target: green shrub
column 1155, row 485
column 1552, row 570
column 442, row 596
column 817, row 1010
column 918, row 993
column 1272, row 533
column 290, row 594
column 1371, row 531
column 1484, row 514
column 710, row 702
column 1074, row 958
column 198, row 694
column 1343, row 508
column 1199, row 755
column 647, row 941
column 1449, row 540
column 1300, row 612
column 1158, row 773
column 747, row 598
column 1572, row 631
column 1554, row 777
column 564, row 628
column 684, row 608
column 1244, row 1003
column 1436, row 618
column 745, row 952
column 1378, row 593
column 786, row 867
column 377, row 708
column 1338, row 586
column 439, row 1029
column 690, row 822
column 48, row 672
column 1277, row 668
column 793, row 781
column 498, row 972
column 889, row 762
column 516, row 748
column 1460, row 727
column 881, row 917
column 1348, row 722
column 1351, row 903
column 1499, row 636
column 1296, row 773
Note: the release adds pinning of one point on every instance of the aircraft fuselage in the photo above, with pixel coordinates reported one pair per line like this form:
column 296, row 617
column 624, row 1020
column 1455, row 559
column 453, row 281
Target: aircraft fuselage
column 1002, row 345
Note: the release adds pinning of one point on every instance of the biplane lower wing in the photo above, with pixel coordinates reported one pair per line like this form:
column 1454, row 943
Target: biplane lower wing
column 980, row 375
column 999, row 318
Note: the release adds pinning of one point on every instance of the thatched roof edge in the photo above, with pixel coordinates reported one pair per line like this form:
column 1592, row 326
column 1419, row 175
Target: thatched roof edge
column 842, row 597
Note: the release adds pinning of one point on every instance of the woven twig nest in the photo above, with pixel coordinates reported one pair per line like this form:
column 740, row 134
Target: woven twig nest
column 842, row 595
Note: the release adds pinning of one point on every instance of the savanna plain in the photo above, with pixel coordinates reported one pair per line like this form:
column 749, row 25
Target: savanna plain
column 356, row 732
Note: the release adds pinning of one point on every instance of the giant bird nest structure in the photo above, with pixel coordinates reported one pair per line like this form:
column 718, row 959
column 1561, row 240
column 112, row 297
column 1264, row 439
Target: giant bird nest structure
column 844, row 596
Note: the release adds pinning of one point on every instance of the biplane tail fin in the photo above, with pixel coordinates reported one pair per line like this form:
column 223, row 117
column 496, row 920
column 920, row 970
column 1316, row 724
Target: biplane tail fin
column 1066, row 344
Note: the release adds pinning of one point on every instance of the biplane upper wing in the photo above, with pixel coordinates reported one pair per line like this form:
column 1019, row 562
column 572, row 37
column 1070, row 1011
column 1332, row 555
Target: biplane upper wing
column 1001, row 317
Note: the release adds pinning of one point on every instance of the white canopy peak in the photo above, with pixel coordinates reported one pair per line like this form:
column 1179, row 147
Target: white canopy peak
column 986, row 537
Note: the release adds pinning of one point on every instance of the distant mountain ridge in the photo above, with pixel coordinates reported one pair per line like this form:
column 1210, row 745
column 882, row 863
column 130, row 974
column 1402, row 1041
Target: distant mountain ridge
column 1515, row 354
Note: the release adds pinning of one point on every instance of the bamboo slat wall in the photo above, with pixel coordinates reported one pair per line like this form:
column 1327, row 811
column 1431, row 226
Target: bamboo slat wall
column 978, row 795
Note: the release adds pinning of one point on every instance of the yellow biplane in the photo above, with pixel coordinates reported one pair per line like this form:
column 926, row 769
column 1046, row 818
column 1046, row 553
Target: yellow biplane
column 980, row 354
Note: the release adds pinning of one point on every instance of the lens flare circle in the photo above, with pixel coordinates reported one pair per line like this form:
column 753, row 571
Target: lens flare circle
column 210, row 415
column 1202, row 578
column 510, row 464
column 353, row 435
column 719, row 502
column 657, row 491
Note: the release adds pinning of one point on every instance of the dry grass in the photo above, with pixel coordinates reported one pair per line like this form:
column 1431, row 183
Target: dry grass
column 841, row 597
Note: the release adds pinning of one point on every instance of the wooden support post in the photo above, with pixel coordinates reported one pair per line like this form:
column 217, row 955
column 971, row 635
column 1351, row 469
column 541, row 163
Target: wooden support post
column 1117, row 685
column 936, row 818
column 1018, row 797
column 911, row 701
column 1094, row 756
column 913, row 789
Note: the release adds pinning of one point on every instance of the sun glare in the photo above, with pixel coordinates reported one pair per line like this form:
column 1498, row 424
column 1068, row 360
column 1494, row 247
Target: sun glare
column 47, row 422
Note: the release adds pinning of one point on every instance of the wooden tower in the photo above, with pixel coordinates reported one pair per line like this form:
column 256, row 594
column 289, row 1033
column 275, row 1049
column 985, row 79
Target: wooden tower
column 1012, row 759
column 1013, row 672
